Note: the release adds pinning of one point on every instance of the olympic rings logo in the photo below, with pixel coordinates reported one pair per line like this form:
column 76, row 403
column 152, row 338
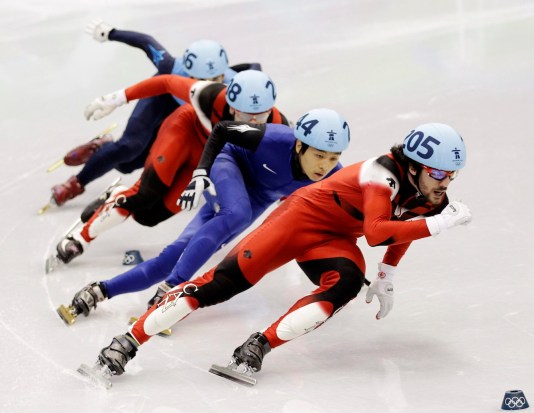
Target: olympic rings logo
column 128, row 259
column 514, row 402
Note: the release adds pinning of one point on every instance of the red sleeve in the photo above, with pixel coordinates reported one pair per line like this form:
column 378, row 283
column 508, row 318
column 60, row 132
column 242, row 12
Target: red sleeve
column 394, row 253
column 178, row 86
column 377, row 225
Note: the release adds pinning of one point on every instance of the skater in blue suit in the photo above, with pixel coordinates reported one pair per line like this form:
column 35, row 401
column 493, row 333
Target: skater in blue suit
column 251, row 166
column 203, row 59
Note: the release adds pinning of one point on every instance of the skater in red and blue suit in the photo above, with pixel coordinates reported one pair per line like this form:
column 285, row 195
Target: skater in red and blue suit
column 251, row 167
column 391, row 200
column 203, row 60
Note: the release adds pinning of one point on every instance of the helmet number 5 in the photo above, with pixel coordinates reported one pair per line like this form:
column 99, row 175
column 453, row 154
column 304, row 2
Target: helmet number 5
column 424, row 145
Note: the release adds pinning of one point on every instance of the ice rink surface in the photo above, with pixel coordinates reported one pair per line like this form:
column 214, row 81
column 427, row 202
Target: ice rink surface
column 461, row 332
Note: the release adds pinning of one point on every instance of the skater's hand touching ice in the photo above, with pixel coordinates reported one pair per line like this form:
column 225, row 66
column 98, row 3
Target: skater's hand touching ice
column 382, row 287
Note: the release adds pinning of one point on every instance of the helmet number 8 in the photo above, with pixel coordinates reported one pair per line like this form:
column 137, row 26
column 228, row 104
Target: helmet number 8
column 417, row 139
column 235, row 89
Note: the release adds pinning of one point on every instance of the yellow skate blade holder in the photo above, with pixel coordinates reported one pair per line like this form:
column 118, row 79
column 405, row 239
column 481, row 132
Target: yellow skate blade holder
column 61, row 162
column 44, row 208
column 165, row 333
column 66, row 314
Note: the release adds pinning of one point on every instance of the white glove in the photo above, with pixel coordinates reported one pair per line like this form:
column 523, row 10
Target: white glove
column 104, row 105
column 99, row 30
column 382, row 287
column 191, row 196
column 454, row 214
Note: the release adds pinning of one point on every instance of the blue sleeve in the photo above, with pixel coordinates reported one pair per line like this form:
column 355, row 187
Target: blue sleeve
column 157, row 54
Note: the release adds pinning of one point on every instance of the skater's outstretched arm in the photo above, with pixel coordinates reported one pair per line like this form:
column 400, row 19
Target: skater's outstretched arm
column 158, row 55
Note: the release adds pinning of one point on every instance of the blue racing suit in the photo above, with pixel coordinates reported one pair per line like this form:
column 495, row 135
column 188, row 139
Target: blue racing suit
column 252, row 170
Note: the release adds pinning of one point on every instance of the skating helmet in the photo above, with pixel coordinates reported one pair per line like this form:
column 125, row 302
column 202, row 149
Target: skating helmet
column 436, row 145
column 205, row 59
column 323, row 129
column 251, row 91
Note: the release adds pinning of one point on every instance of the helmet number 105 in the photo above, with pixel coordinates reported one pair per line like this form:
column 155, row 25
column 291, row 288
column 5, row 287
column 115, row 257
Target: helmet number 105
column 416, row 140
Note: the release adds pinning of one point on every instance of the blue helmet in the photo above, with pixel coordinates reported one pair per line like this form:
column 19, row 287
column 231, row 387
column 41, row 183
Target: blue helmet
column 323, row 129
column 251, row 91
column 436, row 145
column 205, row 59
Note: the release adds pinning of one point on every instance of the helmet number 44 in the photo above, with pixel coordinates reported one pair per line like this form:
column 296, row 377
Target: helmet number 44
column 306, row 126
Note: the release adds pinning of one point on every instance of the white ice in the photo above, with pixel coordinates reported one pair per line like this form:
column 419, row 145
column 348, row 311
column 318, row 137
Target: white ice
column 461, row 332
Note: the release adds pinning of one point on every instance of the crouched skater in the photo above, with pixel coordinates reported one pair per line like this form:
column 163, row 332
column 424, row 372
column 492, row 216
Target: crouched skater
column 391, row 200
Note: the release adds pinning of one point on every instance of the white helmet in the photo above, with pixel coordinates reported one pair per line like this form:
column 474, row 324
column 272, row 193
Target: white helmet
column 251, row 91
column 436, row 145
column 323, row 129
column 205, row 59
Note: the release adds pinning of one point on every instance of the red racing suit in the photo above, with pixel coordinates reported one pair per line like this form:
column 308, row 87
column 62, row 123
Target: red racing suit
column 319, row 226
column 174, row 154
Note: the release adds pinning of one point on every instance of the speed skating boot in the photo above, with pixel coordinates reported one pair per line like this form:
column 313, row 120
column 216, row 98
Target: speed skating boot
column 83, row 301
column 81, row 154
column 63, row 192
column 86, row 299
column 68, row 249
column 252, row 351
column 115, row 356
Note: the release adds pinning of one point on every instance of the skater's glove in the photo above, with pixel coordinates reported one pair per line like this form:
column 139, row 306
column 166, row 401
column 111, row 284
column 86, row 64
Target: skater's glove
column 456, row 213
column 104, row 105
column 163, row 288
column 98, row 30
column 200, row 183
column 382, row 287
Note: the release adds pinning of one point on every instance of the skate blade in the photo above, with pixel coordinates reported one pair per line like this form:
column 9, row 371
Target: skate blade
column 165, row 333
column 52, row 262
column 45, row 208
column 97, row 376
column 233, row 375
column 55, row 165
column 65, row 313
column 62, row 161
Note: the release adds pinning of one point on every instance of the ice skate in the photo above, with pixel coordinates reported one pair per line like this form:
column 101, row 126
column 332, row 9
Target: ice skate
column 81, row 154
column 83, row 302
column 111, row 361
column 246, row 361
column 90, row 209
column 99, row 374
column 68, row 249
column 61, row 193
column 78, row 156
column 53, row 261
column 163, row 289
